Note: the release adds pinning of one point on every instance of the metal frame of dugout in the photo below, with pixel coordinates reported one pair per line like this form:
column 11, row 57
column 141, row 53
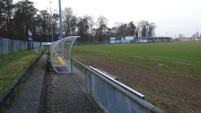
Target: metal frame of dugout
column 60, row 54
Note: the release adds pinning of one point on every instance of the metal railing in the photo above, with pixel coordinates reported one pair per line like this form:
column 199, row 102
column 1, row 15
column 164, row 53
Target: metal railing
column 111, row 95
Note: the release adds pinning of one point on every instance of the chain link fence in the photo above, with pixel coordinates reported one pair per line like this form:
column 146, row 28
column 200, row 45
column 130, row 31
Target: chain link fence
column 8, row 45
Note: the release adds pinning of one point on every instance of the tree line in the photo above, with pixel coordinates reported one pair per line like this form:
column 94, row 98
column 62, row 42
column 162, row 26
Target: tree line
column 17, row 18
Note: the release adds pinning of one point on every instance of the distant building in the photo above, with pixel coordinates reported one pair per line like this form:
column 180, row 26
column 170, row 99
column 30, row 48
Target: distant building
column 112, row 40
column 184, row 39
column 160, row 39
column 127, row 39
column 142, row 40
column 130, row 39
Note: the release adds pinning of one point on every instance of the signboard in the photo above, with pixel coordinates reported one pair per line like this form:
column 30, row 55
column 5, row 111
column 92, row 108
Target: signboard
column 30, row 36
column 112, row 40
column 46, row 43
column 127, row 39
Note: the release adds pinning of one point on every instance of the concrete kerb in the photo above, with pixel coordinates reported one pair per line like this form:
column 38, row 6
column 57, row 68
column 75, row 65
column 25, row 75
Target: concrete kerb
column 43, row 90
column 5, row 97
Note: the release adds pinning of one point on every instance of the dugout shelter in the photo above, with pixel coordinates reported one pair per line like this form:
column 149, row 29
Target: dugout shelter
column 60, row 54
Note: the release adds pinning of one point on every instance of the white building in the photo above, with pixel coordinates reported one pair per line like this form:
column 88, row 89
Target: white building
column 127, row 39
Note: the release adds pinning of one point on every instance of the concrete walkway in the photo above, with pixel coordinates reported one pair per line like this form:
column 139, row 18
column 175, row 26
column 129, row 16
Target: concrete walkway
column 28, row 100
column 66, row 95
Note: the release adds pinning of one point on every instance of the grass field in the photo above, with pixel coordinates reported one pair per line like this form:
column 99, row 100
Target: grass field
column 12, row 66
column 169, row 74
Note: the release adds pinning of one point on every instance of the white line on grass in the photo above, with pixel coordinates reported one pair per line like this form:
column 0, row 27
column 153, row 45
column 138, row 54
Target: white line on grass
column 137, row 56
column 155, row 59
column 181, row 63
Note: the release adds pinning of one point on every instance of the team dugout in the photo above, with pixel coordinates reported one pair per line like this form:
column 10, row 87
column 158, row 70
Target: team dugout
column 60, row 54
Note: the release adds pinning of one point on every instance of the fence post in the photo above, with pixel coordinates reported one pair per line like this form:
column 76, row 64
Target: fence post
column 87, row 81
column 7, row 43
column 71, row 64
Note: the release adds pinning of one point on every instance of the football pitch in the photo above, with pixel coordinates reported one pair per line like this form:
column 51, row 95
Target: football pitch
column 184, row 56
column 169, row 74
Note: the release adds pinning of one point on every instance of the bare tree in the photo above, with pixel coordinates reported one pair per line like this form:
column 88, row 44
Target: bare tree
column 102, row 26
column 124, row 30
column 70, row 21
column 199, row 36
column 90, row 24
column 114, row 31
column 151, row 29
column 196, row 36
column 55, row 19
column 44, row 15
column 85, row 27
column 145, row 29
column 132, row 28
column 181, row 36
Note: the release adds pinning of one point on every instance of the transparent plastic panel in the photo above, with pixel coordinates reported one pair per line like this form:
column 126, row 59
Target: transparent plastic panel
column 60, row 52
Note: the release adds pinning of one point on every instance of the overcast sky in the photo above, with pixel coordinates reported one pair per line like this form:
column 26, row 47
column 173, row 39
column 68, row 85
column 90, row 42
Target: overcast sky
column 172, row 17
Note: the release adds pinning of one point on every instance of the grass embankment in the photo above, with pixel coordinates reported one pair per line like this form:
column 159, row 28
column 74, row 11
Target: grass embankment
column 12, row 65
column 169, row 74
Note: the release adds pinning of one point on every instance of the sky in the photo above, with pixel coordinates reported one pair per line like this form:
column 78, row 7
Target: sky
column 171, row 17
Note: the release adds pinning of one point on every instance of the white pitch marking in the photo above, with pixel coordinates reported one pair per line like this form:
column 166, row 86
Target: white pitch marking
column 137, row 56
column 181, row 63
column 155, row 59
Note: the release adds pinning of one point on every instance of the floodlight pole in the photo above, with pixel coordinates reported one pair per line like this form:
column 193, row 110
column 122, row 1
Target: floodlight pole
column 61, row 29
column 51, row 21
column 60, row 18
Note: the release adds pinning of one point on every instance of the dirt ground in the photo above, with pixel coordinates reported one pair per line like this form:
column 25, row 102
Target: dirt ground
column 171, row 93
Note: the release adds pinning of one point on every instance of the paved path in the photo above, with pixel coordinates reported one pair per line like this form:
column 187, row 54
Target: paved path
column 66, row 95
column 28, row 100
